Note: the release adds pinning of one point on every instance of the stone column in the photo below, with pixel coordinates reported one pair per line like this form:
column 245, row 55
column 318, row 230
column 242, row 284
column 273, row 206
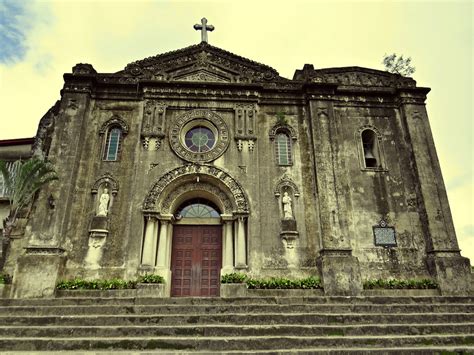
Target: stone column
column 149, row 244
column 443, row 255
column 339, row 269
column 227, row 245
column 240, row 244
column 162, row 244
column 164, row 248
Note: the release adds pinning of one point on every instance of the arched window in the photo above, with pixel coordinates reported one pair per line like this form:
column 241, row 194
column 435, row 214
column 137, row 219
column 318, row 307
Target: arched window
column 370, row 149
column 113, row 143
column 198, row 208
column 283, row 149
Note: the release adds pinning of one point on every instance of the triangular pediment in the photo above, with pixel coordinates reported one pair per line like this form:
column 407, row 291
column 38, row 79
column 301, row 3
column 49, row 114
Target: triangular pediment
column 201, row 63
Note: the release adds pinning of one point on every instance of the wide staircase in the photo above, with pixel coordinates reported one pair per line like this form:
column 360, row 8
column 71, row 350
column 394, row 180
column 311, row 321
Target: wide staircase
column 304, row 325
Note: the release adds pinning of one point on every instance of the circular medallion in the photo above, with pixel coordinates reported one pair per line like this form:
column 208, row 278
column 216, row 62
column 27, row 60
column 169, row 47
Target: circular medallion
column 199, row 136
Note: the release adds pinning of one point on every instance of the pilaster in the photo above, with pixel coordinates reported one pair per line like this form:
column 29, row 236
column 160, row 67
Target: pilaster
column 444, row 260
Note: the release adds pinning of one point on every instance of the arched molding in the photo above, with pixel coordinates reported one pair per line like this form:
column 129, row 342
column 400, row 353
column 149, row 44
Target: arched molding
column 283, row 183
column 190, row 178
column 282, row 128
column 116, row 121
column 372, row 128
column 192, row 189
column 106, row 180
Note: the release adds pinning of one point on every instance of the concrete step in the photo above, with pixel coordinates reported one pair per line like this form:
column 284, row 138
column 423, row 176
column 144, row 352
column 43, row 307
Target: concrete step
column 428, row 350
column 227, row 309
column 86, row 298
column 235, row 343
column 62, row 331
column 240, row 318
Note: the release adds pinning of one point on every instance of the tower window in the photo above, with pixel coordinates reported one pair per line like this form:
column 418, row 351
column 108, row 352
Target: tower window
column 283, row 149
column 113, row 144
column 370, row 148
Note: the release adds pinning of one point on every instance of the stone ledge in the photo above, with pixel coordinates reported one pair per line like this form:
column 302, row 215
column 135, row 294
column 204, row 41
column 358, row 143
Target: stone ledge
column 401, row 292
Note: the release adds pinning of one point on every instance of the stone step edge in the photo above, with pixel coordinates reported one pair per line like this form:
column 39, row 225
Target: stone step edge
column 227, row 315
column 273, row 325
column 256, row 337
column 263, row 305
column 359, row 350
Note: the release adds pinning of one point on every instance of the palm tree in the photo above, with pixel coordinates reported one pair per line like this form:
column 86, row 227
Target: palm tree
column 22, row 181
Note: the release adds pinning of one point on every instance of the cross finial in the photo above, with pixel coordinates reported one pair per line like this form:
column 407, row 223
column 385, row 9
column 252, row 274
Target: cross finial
column 203, row 27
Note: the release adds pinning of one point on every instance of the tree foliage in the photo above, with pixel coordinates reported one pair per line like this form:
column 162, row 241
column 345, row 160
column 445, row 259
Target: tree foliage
column 22, row 180
column 398, row 65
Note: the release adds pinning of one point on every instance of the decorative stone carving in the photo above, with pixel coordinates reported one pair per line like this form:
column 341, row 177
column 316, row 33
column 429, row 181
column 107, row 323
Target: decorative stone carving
column 153, row 125
column 83, row 68
column 245, row 125
column 353, row 77
column 282, row 127
column 106, row 180
column 239, row 199
column 214, row 120
column 43, row 134
column 203, row 55
column 167, row 203
column 285, row 183
column 115, row 120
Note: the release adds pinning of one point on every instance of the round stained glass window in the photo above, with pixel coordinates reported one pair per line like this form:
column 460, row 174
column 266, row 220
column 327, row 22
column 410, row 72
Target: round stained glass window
column 199, row 139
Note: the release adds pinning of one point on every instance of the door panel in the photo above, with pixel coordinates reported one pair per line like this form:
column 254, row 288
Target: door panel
column 196, row 261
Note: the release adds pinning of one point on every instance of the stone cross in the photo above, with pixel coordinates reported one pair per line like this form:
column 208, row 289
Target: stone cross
column 203, row 27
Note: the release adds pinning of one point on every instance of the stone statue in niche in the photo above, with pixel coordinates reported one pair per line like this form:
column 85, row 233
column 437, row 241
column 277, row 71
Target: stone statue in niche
column 104, row 203
column 287, row 209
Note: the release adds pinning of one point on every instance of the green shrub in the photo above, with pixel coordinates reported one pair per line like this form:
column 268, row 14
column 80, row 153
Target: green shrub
column 233, row 278
column 151, row 279
column 400, row 284
column 5, row 279
column 80, row 284
column 311, row 282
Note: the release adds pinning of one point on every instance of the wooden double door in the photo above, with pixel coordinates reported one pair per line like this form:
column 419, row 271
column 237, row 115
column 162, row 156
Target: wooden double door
column 196, row 260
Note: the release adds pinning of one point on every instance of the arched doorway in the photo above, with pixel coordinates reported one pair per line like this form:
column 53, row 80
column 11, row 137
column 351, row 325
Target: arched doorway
column 196, row 256
column 194, row 209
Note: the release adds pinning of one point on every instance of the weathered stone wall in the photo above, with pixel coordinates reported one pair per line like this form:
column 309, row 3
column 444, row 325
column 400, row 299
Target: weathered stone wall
column 336, row 199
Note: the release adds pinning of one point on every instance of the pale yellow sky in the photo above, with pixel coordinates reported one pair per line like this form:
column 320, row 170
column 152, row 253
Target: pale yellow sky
column 49, row 37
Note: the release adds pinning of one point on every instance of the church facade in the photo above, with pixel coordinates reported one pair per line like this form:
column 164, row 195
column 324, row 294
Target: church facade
column 197, row 163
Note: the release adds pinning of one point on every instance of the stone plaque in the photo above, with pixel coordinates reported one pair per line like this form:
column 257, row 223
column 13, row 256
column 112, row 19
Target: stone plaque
column 385, row 236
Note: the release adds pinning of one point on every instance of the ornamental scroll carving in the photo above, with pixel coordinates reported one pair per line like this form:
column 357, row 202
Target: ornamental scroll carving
column 235, row 190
